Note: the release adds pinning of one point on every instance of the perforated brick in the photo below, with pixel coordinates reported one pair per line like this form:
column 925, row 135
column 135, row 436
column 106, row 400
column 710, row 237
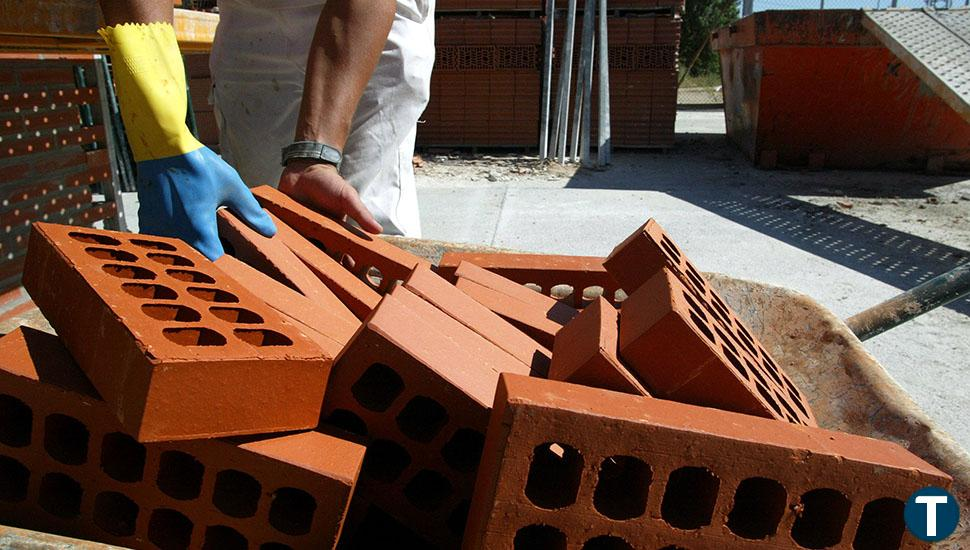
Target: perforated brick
column 537, row 315
column 555, row 474
column 464, row 309
column 177, row 349
column 273, row 257
column 650, row 249
column 418, row 386
column 586, row 352
column 374, row 261
column 68, row 468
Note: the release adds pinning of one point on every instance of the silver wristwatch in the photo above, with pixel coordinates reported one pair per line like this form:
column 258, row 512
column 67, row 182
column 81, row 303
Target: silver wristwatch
column 312, row 150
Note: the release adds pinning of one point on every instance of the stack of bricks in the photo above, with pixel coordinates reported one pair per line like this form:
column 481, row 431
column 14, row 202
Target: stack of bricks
column 486, row 85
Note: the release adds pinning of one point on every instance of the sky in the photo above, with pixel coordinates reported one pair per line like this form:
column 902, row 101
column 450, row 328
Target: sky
column 760, row 5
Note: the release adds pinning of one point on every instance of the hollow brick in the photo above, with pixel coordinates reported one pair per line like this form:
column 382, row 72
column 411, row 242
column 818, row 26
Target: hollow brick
column 375, row 261
column 418, row 386
column 586, row 352
column 429, row 286
column 290, row 490
column 177, row 349
column 554, row 469
column 353, row 292
column 273, row 257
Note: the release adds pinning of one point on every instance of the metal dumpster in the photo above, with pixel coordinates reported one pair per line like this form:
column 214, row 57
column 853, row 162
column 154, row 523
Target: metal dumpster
column 815, row 88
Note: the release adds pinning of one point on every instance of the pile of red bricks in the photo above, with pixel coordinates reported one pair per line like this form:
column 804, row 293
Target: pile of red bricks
column 486, row 85
column 324, row 387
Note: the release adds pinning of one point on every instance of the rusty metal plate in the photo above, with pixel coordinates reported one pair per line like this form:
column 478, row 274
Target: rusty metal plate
column 934, row 44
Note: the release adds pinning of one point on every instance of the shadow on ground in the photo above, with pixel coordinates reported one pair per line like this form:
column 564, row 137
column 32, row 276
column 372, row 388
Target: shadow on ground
column 719, row 179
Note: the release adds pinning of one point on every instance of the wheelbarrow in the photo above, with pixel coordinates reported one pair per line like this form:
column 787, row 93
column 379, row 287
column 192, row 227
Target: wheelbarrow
column 848, row 389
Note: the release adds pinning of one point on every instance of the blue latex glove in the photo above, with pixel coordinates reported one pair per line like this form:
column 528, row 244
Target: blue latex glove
column 178, row 197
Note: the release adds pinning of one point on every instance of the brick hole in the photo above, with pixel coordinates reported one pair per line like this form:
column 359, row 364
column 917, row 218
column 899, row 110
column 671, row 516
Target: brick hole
column 180, row 475
column 213, row 295
column 539, row 537
column 66, row 439
column 533, row 286
column 275, row 546
column 373, row 276
column 60, row 495
column 236, row 315
column 792, row 415
column 690, row 497
column 768, row 398
column 92, row 238
column 318, row 244
column 797, row 401
column 747, row 340
column 385, row 460
column 607, row 542
column 171, row 312
column 236, row 494
column 128, row 271
column 122, row 458
column 427, row 490
column 702, row 327
column 759, row 374
column 149, row 292
column 220, row 537
column 377, row 529
column 17, row 421
column 561, row 292
column 14, row 479
column 881, row 525
column 725, row 340
column 591, row 293
column 115, row 513
column 735, row 363
column 693, row 305
column 759, row 504
column 673, row 547
column 348, row 262
column 458, row 518
column 348, row 421
column 696, row 286
column 670, row 249
column 189, row 276
column 772, row 372
column 622, row 487
column 194, row 336
column 824, row 513
column 170, row 259
column 378, row 387
column 111, row 254
column 554, row 475
column 721, row 308
column 169, row 530
column 153, row 245
column 463, row 451
column 422, row 418
column 619, row 296
column 291, row 511
column 262, row 337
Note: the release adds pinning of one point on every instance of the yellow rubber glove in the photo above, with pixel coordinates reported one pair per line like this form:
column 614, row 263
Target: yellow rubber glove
column 181, row 183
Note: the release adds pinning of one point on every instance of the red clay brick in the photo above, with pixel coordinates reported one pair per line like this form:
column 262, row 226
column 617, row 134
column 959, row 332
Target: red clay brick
column 676, row 349
column 555, row 475
column 353, row 292
column 650, row 249
column 329, row 331
column 584, row 276
column 586, row 348
column 479, row 318
column 375, row 261
column 177, row 349
column 418, row 385
column 68, row 468
column 274, row 258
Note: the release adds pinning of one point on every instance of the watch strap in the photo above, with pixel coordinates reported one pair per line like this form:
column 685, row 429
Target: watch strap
column 313, row 150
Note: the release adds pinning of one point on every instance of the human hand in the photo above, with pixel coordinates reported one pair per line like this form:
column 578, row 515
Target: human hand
column 178, row 197
column 320, row 186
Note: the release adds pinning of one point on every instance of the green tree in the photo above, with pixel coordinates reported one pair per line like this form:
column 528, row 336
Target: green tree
column 701, row 17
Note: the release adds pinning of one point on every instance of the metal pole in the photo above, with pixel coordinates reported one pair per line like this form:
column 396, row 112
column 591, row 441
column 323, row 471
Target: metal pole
column 585, row 138
column 928, row 296
column 604, row 147
column 546, row 80
column 565, row 81
column 112, row 187
column 747, row 7
column 583, row 78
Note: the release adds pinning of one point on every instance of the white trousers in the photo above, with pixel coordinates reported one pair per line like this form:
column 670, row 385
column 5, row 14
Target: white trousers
column 258, row 66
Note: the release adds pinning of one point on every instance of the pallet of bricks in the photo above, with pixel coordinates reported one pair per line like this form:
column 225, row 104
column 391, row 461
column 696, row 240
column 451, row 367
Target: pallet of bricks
column 54, row 161
column 487, row 81
column 324, row 387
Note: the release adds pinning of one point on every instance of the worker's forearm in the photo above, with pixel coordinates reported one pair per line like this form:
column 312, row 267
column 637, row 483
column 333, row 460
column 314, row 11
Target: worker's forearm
column 346, row 47
column 117, row 12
